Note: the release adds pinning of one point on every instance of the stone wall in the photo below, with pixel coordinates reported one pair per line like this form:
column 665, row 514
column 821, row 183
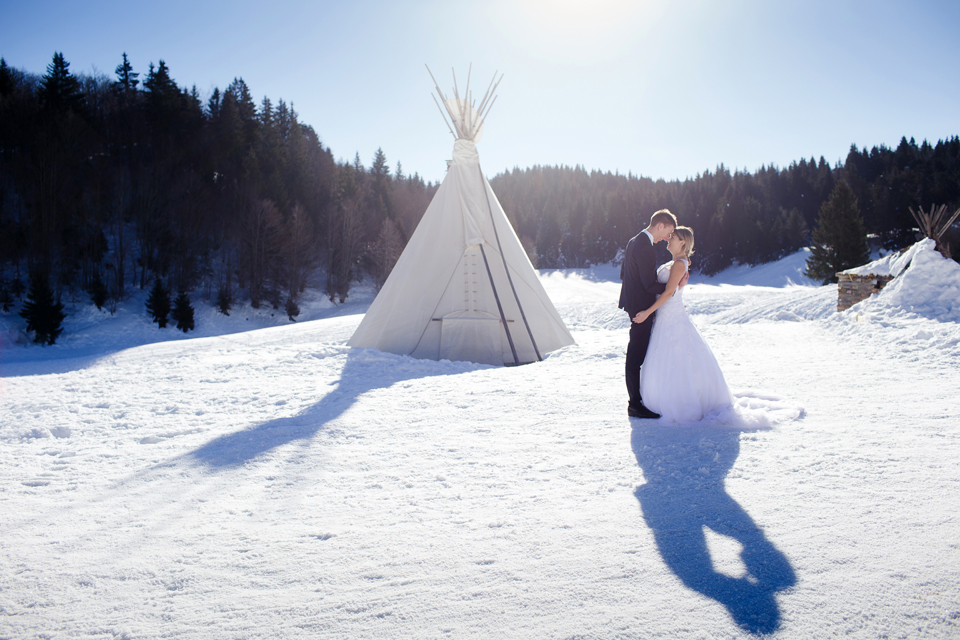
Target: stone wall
column 851, row 289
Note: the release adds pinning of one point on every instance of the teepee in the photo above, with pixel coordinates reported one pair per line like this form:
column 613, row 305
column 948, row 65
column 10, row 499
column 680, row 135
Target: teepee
column 463, row 288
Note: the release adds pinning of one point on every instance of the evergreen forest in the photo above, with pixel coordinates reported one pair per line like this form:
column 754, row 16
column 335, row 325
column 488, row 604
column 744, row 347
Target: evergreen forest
column 109, row 183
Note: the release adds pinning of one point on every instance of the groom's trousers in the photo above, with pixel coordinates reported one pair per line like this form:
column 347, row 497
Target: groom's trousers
column 636, row 353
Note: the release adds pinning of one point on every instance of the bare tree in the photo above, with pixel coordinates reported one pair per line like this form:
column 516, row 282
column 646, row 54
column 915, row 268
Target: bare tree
column 148, row 208
column 344, row 234
column 260, row 234
column 299, row 250
column 385, row 252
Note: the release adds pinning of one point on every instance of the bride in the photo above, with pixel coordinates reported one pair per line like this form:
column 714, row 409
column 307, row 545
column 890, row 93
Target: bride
column 680, row 378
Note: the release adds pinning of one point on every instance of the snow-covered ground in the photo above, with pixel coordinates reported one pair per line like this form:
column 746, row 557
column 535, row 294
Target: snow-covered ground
column 274, row 483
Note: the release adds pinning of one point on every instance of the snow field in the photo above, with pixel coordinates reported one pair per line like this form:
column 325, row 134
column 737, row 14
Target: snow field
column 275, row 483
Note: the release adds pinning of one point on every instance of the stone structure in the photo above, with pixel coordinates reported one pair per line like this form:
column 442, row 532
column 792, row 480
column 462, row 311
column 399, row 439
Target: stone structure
column 852, row 288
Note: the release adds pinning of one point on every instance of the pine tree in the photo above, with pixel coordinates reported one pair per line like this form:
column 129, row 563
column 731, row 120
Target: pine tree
column 385, row 252
column 6, row 299
column 43, row 315
column 292, row 308
column 98, row 291
column 6, row 79
column 59, row 89
column 380, row 182
column 380, row 170
column 245, row 105
column 16, row 287
column 182, row 312
column 548, row 243
column 794, row 233
column 840, row 239
column 159, row 81
column 343, row 237
column 163, row 95
column 213, row 104
column 158, row 304
column 224, row 300
column 127, row 80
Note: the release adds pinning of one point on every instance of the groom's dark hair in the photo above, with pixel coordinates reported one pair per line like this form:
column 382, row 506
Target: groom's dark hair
column 663, row 217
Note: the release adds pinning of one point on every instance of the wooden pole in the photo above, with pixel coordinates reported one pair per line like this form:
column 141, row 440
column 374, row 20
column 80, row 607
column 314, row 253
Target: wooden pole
column 487, row 93
column 956, row 214
column 437, row 86
column 444, row 100
column 443, row 116
column 484, row 119
column 466, row 103
column 503, row 318
column 456, row 94
column 469, row 110
column 484, row 111
column 506, row 268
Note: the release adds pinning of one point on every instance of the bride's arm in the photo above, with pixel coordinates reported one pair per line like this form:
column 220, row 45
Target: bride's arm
column 677, row 272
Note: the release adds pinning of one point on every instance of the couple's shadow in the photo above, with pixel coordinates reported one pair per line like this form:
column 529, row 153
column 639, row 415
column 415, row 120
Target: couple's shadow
column 684, row 493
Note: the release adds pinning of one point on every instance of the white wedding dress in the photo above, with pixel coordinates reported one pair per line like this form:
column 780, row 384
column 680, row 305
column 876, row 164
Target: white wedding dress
column 680, row 378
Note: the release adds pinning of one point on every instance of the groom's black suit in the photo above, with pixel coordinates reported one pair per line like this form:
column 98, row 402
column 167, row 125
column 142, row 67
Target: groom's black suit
column 638, row 291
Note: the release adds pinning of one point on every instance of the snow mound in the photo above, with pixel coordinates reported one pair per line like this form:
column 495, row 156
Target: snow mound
column 930, row 287
column 894, row 263
column 916, row 316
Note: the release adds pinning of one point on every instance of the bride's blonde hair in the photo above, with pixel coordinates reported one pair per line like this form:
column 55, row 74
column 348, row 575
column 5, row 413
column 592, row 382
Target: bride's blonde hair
column 686, row 237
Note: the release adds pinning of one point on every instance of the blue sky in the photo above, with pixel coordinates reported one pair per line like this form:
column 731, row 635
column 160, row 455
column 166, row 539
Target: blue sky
column 661, row 89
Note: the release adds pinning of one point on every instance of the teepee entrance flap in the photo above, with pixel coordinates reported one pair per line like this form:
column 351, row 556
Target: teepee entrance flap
column 471, row 335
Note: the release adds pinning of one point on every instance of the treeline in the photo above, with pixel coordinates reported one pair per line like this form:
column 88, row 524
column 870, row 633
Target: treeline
column 569, row 217
column 113, row 182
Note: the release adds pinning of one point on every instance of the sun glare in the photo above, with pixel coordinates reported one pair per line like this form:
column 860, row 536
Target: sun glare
column 575, row 30
column 578, row 17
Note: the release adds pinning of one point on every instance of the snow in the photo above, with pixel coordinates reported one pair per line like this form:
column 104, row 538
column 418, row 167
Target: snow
column 928, row 286
column 273, row 482
column 784, row 272
column 916, row 315
column 893, row 263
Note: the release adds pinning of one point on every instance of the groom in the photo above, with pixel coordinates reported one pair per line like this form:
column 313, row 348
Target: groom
column 640, row 290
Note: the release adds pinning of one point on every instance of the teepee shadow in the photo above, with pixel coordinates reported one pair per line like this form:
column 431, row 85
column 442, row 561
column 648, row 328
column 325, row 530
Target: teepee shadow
column 364, row 370
column 684, row 493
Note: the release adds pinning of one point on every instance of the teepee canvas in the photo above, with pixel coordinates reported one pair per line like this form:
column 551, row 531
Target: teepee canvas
column 463, row 288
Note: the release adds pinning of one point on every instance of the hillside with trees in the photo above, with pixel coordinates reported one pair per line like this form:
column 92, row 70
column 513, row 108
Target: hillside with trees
column 109, row 183
column 571, row 217
column 122, row 181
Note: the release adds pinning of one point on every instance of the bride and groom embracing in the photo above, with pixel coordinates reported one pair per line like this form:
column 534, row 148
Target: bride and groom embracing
column 680, row 376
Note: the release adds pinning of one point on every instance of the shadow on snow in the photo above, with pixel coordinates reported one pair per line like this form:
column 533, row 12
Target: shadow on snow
column 364, row 370
column 685, row 468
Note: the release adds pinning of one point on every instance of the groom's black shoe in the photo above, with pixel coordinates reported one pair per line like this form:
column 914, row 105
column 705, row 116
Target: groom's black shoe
column 641, row 411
